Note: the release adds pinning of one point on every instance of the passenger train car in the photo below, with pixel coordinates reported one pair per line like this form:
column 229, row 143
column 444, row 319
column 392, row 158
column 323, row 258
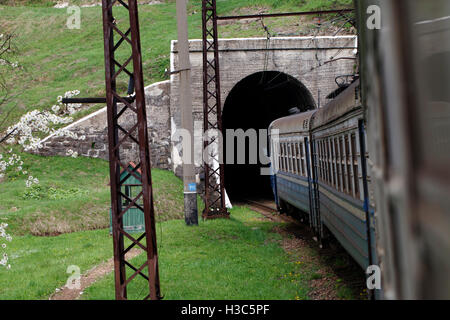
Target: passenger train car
column 320, row 163
column 391, row 209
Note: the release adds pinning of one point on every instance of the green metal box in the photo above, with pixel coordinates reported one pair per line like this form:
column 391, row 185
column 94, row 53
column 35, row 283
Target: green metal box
column 133, row 219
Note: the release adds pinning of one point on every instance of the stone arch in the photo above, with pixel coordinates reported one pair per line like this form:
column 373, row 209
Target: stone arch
column 253, row 103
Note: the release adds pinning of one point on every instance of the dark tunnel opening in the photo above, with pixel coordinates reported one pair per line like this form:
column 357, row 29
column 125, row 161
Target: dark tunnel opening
column 254, row 103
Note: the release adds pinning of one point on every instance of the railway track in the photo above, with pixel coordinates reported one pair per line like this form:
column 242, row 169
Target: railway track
column 268, row 209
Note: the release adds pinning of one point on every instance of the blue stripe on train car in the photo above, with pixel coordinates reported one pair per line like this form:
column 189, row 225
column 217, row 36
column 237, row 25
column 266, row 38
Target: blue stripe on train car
column 349, row 229
column 295, row 194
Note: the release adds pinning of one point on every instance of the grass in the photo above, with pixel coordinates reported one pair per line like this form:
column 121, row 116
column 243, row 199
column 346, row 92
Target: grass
column 55, row 59
column 239, row 258
column 39, row 264
column 82, row 196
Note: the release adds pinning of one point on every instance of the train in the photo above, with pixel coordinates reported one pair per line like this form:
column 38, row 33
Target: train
column 320, row 159
column 372, row 167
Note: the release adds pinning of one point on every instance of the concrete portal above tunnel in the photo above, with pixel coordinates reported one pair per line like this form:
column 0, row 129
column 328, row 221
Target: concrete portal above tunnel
column 315, row 62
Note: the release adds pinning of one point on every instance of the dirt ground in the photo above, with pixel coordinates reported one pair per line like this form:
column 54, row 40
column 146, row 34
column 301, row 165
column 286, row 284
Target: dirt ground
column 89, row 278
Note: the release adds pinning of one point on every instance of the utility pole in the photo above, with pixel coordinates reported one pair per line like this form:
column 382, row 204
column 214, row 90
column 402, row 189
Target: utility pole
column 190, row 184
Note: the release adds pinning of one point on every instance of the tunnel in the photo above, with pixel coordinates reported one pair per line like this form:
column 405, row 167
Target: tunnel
column 254, row 103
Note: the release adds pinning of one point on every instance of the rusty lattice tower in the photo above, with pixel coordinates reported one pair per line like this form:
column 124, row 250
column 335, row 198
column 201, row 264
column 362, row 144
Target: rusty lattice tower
column 128, row 40
column 212, row 116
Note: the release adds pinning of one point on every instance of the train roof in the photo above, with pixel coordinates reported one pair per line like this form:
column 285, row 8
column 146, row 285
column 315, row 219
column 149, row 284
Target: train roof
column 303, row 122
column 342, row 104
column 293, row 124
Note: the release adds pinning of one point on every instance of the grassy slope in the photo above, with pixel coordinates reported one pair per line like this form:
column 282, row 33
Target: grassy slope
column 211, row 262
column 39, row 264
column 86, row 210
column 239, row 258
column 55, row 59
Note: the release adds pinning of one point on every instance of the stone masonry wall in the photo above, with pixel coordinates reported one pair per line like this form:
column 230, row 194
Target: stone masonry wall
column 308, row 59
column 94, row 127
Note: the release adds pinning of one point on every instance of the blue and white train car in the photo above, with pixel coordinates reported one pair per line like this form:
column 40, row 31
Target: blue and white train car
column 321, row 163
column 291, row 155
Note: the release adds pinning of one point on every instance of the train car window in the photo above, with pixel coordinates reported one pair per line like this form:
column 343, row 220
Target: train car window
column 345, row 173
column 280, row 158
column 324, row 176
column 328, row 161
column 291, row 154
column 292, row 158
column 338, row 164
column 322, row 165
column 319, row 150
column 317, row 162
column 294, row 162
column 334, row 153
column 302, row 158
column 325, row 165
column 325, row 161
column 348, row 156
column 288, row 165
column 288, row 157
column 319, row 156
column 341, row 151
column 295, row 159
column 355, row 166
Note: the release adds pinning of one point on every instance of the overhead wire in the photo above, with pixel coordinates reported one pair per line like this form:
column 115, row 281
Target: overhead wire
column 320, row 26
column 266, row 53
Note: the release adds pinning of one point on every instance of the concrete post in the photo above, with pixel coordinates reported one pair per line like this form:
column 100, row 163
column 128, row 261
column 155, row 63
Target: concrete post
column 190, row 185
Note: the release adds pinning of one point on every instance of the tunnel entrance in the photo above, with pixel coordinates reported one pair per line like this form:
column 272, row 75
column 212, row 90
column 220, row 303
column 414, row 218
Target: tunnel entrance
column 254, row 103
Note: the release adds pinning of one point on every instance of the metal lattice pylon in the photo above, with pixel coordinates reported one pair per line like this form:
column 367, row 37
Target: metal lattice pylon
column 118, row 137
column 212, row 116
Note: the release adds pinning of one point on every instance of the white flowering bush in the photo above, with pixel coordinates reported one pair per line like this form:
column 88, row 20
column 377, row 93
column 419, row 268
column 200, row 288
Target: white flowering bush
column 4, row 237
column 30, row 129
